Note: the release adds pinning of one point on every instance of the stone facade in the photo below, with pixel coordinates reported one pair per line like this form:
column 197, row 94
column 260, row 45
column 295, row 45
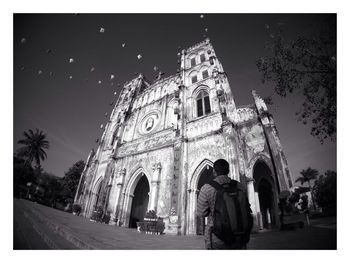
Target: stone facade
column 170, row 132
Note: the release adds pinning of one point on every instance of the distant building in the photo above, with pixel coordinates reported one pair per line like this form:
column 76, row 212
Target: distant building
column 158, row 148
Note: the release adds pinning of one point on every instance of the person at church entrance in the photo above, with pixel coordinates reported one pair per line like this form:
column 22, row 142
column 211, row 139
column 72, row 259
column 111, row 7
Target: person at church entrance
column 225, row 203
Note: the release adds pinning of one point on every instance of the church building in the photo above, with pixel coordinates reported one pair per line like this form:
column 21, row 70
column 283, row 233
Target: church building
column 159, row 145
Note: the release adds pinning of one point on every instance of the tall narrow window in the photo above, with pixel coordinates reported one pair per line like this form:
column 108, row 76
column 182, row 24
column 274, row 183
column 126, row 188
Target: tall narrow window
column 205, row 74
column 206, row 104
column 203, row 104
column 194, row 79
column 114, row 136
column 193, row 62
column 202, row 57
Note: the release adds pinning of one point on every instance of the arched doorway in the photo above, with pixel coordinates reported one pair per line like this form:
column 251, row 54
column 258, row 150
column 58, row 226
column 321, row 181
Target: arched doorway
column 264, row 186
column 98, row 195
column 206, row 175
column 95, row 196
column 140, row 201
column 266, row 203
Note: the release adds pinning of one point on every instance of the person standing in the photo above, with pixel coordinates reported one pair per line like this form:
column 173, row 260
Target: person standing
column 226, row 205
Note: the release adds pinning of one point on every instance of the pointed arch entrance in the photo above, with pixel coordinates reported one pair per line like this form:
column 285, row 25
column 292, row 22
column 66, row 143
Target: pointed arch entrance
column 135, row 199
column 202, row 175
column 206, row 175
column 95, row 196
column 139, row 201
column 265, row 189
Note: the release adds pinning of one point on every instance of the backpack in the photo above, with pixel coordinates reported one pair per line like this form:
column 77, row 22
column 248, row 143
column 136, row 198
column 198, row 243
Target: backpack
column 232, row 219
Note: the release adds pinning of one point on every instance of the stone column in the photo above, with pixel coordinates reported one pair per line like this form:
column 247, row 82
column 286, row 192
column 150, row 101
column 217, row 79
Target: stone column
column 127, row 210
column 258, row 212
column 155, row 186
column 193, row 211
column 268, row 216
column 192, row 195
column 195, row 199
column 251, row 195
column 119, row 182
column 228, row 135
column 214, row 101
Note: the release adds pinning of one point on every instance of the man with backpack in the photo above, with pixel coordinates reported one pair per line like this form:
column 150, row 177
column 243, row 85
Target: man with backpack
column 226, row 205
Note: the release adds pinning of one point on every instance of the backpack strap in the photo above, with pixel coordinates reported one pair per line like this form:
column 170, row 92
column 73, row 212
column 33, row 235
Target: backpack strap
column 216, row 185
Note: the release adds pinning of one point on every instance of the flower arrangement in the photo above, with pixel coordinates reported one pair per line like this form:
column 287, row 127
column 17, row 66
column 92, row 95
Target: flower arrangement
column 151, row 224
column 151, row 214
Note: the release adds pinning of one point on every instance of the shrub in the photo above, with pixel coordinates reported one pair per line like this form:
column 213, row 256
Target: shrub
column 76, row 209
column 68, row 208
column 106, row 217
column 151, row 214
column 97, row 214
column 325, row 192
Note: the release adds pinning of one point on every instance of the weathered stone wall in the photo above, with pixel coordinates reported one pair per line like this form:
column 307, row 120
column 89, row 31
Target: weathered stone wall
column 206, row 148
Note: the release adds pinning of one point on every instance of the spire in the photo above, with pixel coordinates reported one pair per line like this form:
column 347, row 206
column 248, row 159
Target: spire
column 259, row 103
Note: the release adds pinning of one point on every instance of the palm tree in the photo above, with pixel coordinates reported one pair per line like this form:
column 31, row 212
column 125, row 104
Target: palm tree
column 34, row 147
column 306, row 176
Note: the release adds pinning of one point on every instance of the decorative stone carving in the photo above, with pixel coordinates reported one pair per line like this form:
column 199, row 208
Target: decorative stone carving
column 244, row 114
column 156, row 172
column 255, row 139
column 149, row 123
column 259, row 102
column 120, row 178
column 265, row 120
column 161, row 139
column 204, row 125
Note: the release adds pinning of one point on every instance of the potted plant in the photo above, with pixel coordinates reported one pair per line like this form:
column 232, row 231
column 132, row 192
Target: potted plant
column 151, row 224
column 76, row 209
column 151, row 215
column 106, row 217
column 97, row 214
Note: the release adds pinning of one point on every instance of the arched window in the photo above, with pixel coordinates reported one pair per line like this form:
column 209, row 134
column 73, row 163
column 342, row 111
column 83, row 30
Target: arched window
column 203, row 104
column 205, row 74
column 194, row 79
column 193, row 61
column 202, row 57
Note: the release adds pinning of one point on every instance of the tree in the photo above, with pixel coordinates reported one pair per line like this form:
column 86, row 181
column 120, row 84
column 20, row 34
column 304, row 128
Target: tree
column 34, row 147
column 71, row 180
column 306, row 65
column 325, row 192
column 307, row 175
column 22, row 175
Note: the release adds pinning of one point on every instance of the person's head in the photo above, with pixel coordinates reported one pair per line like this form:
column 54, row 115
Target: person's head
column 221, row 167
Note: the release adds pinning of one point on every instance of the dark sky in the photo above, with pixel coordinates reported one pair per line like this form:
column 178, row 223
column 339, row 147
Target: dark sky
column 70, row 111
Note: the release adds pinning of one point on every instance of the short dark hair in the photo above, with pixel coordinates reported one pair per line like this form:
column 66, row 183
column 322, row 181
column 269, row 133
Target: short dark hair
column 221, row 167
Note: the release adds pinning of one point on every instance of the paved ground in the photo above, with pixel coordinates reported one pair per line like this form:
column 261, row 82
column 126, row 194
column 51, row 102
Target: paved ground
column 40, row 227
